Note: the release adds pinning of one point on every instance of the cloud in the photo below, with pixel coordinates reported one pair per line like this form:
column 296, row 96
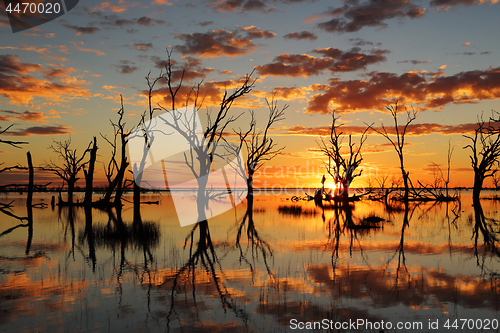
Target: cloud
column 448, row 3
column 232, row 5
column 120, row 8
column 25, row 47
column 354, row 16
column 142, row 46
column 11, row 65
column 413, row 130
column 205, row 23
column 282, row 93
column 79, row 47
column 126, row 67
column 414, row 62
column 333, row 60
column 20, row 88
column 466, row 44
column 301, row 35
column 53, row 73
column 82, row 30
column 116, row 21
column 161, row 2
column 380, row 89
column 190, row 68
column 216, row 43
column 41, row 130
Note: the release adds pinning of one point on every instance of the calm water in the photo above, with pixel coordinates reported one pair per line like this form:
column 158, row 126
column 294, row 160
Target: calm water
column 98, row 271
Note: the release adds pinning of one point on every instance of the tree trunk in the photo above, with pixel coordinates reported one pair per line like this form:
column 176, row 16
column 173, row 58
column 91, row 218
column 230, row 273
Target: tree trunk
column 89, row 175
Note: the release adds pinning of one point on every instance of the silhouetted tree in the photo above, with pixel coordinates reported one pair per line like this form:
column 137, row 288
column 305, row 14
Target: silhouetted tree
column 399, row 142
column 72, row 164
column 342, row 164
column 485, row 152
column 258, row 145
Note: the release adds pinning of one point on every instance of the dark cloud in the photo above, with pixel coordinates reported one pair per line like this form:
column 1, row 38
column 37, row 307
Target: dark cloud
column 362, row 42
column 11, row 65
column 414, row 62
column 248, row 5
column 215, row 43
column 126, row 67
column 82, row 30
column 190, row 68
column 205, row 23
column 353, row 16
column 41, row 130
column 450, row 3
column 333, row 60
column 380, row 89
column 301, row 35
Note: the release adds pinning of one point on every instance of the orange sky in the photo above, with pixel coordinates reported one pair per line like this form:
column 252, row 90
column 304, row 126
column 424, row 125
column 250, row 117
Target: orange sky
column 63, row 79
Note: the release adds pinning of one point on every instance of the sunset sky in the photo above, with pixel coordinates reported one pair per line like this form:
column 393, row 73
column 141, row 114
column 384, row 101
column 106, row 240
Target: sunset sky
column 63, row 79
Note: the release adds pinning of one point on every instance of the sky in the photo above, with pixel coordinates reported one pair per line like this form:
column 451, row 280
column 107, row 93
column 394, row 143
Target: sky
column 63, row 79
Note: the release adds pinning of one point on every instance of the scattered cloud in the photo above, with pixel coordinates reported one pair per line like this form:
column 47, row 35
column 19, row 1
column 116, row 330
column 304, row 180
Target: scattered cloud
column 79, row 47
column 216, row 43
column 301, row 35
column 333, row 60
column 82, row 30
column 120, row 8
column 41, row 130
column 126, row 67
column 19, row 87
column 161, row 2
column 414, row 62
column 205, row 23
column 24, row 47
column 466, row 44
column 354, row 16
column 446, row 4
column 380, row 89
column 142, row 46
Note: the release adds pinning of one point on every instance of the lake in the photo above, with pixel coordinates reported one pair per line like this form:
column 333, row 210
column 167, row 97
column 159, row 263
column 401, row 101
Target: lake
column 286, row 266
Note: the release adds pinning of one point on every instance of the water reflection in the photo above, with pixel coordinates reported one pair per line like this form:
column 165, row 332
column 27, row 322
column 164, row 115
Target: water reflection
column 251, row 269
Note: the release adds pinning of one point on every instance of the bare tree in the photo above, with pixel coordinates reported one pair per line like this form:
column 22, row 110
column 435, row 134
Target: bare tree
column 342, row 163
column 399, row 142
column 485, row 151
column 259, row 146
column 117, row 165
column 72, row 164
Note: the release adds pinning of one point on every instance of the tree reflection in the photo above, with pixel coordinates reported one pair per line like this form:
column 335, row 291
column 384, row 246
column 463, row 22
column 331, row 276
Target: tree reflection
column 255, row 244
column 488, row 228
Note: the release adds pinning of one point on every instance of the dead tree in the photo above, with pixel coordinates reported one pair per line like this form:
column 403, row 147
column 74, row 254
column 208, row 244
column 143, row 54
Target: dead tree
column 89, row 174
column 258, row 145
column 72, row 164
column 485, row 152
column 117, row 165
column 342, row 163
column 399, row 142
column 200, row 159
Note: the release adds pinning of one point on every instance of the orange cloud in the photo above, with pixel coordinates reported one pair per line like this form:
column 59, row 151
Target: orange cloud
column 107, row 6
column 79, row 47
column 380, row 89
